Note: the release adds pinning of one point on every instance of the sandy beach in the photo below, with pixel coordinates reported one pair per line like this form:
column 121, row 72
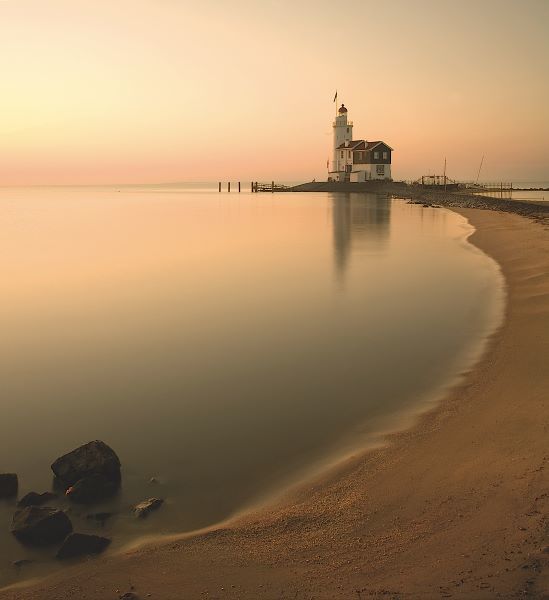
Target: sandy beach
column 456, row 506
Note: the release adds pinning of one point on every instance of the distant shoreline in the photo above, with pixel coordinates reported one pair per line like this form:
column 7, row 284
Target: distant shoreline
column 456, row 505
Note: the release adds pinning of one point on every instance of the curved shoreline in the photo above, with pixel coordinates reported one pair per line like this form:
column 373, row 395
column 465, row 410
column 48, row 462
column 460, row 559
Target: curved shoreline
column 467, row 477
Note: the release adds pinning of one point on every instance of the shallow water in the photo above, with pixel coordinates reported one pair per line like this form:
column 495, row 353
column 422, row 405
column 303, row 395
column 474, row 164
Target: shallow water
column 223, row 344
column 534, row 191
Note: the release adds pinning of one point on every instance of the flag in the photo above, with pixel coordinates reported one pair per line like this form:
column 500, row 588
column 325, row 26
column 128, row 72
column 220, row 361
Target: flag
column 335, row 97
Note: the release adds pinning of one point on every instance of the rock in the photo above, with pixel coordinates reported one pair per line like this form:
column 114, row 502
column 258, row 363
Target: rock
column 93, row 458
column 22, row 562
column 153, row 481
column 34, row 499
column 94, row 488
column 9, row 484
column 143, row 509
column 40, row 525
column 129, row 596
column 100, row 517
column 81, row 544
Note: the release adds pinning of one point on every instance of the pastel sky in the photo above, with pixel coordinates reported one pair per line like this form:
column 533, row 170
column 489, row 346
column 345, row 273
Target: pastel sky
column 129, row 91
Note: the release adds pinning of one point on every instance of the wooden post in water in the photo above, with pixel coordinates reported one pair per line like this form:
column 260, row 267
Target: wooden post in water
column 239, row 187
column 228, row 186
column 220, row 186
column 272, row 186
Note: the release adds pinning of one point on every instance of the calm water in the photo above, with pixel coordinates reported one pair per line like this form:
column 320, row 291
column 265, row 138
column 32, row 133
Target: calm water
column 526, row 192
column 224, row 344
column 529, row 194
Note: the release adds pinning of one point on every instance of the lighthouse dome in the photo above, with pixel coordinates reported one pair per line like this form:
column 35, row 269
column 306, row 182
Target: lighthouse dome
column 342, row 109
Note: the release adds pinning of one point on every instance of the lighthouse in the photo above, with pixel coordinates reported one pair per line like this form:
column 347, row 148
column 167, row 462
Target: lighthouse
column 343, row 134
column 357, row 160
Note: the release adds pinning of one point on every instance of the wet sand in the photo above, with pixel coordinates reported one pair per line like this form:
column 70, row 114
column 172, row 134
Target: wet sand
column 455, row 506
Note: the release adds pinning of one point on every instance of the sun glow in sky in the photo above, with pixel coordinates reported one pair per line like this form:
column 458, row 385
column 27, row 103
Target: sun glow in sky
column 130, row 91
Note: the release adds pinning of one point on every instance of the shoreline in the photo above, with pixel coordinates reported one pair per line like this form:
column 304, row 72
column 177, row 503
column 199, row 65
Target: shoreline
column 383, row 522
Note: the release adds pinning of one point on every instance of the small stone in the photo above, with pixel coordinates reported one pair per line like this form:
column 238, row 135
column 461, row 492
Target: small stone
column 9, row 484
column 34, row 499
column 82, row 544
column 143, row 509
column 129, row 596
column 153, row 481
column 22, row 562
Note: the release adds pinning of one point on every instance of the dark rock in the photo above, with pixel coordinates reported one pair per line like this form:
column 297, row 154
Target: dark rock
column 34, row 499
column 94, row 488
column 81, row 544
column 93, row 458
column 22, row 562
column 100, row 517
column 40, row 526
column 9, row 485
column 143, row 509
column 129, row 596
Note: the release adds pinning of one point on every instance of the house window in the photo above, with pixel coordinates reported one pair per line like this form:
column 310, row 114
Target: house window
column 349, row 154
column 380, row 169
column 342, row 154
column 385, row 155
column 376, row 155
column 347, row 130
column 359, row 156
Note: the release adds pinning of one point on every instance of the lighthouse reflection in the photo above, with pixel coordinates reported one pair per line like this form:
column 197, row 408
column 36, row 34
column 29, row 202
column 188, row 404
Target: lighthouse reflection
column 361, row 222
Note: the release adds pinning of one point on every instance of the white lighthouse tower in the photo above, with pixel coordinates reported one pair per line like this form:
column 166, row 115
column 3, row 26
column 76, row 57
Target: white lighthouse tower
column 343, row 134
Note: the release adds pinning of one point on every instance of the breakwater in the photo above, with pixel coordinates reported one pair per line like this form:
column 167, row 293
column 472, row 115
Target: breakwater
column 454, row 199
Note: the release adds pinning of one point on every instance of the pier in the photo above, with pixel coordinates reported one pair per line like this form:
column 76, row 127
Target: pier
column 255, row 186
column 268, row 187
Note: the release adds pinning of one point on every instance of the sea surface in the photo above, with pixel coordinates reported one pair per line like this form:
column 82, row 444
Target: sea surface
column 536, row 191
column 226, row 345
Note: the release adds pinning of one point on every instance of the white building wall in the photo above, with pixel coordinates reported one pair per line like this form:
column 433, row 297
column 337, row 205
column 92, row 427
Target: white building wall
column 340, row 162
column 368, row 171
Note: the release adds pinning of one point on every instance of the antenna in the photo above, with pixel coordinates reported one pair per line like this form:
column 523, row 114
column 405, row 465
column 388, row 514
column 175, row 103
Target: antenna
column 444, row 173
column 478, row 174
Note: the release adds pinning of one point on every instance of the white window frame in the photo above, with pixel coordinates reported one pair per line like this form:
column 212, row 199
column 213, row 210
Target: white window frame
column 376, row 155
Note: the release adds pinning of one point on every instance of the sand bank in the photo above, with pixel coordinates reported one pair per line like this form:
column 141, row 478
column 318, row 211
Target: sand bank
column 456, row 506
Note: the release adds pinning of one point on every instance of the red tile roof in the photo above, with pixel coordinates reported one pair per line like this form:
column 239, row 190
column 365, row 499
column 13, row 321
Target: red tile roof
column 361, row 145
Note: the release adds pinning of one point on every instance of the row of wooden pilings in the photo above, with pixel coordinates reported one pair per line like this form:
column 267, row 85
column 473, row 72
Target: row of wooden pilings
column 254, row 186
